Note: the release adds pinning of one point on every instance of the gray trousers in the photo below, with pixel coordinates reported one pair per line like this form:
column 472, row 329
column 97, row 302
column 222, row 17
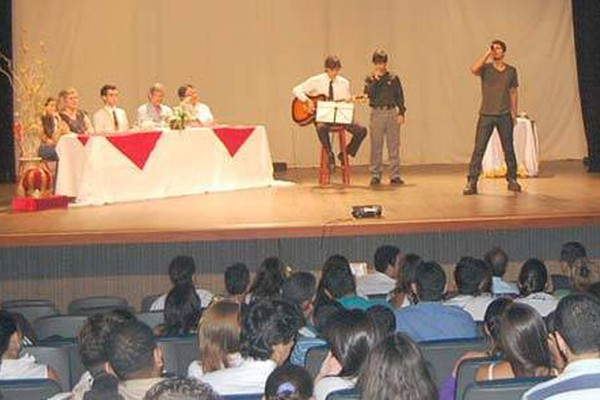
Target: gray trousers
column 384, row 127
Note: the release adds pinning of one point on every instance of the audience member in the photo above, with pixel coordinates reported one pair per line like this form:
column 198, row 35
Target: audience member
column 558, row 358
column 497, row 259
column 401, row 296
column 383, row 318
column 188, row 96
column 53, row 127
column 110, row 118
column 182, row 312
column 396, row 370
column 237, row 280
column 473, row 281
column 181, row 389
column 154, row 114
column 533, row 281
column 428, row 318
column 218, row 339
column 387, row 262
column 575, row 263
column 268, row 280
column 289, row 382
column 578, row 338
column 76, row 119
column 268, row 331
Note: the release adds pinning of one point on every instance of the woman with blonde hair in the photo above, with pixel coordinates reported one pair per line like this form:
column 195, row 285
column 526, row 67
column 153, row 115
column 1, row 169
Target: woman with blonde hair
column 218, row 338
column 76, row 119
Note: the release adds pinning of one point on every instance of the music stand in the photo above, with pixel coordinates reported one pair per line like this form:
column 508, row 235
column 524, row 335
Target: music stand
column 334, row 112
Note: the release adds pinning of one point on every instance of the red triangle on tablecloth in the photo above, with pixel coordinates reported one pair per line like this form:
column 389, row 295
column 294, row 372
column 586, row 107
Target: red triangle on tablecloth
column 137, row 147
column 233, row 137
column 83, row 139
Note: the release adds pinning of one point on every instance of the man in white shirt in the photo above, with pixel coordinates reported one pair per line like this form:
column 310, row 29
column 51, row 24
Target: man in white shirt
column 189, row 100
column 578, row 338
column 387, row 261
column 154, row 114
column 331, row 84
column 110, row 118
column 473, row 279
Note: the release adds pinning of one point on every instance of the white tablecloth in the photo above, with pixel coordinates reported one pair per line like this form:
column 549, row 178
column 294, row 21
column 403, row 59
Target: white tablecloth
column 182, row 163
column 525, row 139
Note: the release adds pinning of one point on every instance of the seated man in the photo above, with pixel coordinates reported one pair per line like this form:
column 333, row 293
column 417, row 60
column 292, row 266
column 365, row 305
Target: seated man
column 188, row 96
column 497, row 259
column 578, row 338
column 473, row 279
column 154, row 114
column 110, row 118
column 429, row 319
column 237, row 281
column 134, row 358
column 387, row 261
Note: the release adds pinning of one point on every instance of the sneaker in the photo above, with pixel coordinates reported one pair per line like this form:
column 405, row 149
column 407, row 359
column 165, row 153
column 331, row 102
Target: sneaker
column 513, row 185
column 470, row 188
column 375, row 181
column 397, row 181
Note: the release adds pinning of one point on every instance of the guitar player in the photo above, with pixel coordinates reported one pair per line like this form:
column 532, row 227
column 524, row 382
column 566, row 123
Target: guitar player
column 331, row 84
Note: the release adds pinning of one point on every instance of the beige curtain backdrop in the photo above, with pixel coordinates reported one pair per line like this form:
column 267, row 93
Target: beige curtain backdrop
column 245, row 56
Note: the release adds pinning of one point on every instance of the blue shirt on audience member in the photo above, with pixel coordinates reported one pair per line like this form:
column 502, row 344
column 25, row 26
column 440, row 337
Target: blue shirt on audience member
column 354, row 302
column 434, row 321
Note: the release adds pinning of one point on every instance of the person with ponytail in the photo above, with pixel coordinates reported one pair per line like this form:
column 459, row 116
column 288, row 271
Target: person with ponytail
column 581, row 272
column 533, row 280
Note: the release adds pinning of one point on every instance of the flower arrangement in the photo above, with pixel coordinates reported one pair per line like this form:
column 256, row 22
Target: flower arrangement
column 181, row 118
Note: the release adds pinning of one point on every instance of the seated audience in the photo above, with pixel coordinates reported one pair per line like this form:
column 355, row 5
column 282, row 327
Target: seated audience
column 268, row 331
column 581, row 272
column 154, row 114
column 188, row 96
column 383, row 318
column 497, row 259
column 134, row 358
column 76, row 119
column 181, row 389
column 401, row 295
column 396, row 370
column 268, row 280
column 578, row 338
column 473, row 280
column 289, row 382
column 182, row 312
column 237, row 280
column 428, row 318
column 387, row 262
column 53, row 127
column 351, row 335
column 110, row 118
column 533, row 281
column 13, row 365
column 558, row 358
column 218, row 339
column 181, row 273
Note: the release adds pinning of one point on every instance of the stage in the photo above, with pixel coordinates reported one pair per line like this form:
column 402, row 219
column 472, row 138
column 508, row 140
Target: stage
column 125, row 248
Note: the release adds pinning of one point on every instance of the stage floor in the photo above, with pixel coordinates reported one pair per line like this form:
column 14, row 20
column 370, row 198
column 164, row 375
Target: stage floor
column 430, row 201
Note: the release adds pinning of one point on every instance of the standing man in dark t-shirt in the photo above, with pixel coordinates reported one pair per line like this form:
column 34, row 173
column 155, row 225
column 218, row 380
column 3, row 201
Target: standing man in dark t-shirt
column 499, row 85
column 386, row 99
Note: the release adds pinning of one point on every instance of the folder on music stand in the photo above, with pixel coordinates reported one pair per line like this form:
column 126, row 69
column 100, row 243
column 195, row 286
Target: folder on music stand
column 335, row 112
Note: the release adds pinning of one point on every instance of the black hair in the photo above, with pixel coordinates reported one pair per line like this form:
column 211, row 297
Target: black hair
column 533, row 277
column 379, row 57
column 594, row 290
column 104, row 89
column 578, row 322
column 385, row 255
column 572, row 251
column 336, row 279
column 472, row 276
column 497, row 259
column 492, row 321
column 8, row 326
column 269, row 278
column 351, row 334
column 130, row 349
column 182, row 90
column 104, row 387
column 289, row 382
column 500, row 43
column 237, row 278
column 332, row 62
column 178, row 388
column 182, row 311
column 181, row 270
column 299, row 288
column 323, row 313
column 267, row 323
column 581, row 271
column 430, row 280
column 383, row 318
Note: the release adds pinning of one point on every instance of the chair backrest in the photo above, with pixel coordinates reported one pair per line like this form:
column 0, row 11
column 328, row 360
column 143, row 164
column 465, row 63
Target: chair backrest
column 178, row 353
column 33, row 312
column 560, row 282
column 314, row 359
column 252, row 396
column 28, row 389
column 345, row 394
column 151, row 318
column 76, row 368
column 55, row 357
column 25, row 303
column 501, row 389
column 147, row 302
column 93, row 304
column 443, row 354
column 58, row 326
column 467, row 370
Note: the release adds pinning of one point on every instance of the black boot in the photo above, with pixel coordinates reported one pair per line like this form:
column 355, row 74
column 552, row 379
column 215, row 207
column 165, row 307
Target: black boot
column 470, row 188
column 513, row 185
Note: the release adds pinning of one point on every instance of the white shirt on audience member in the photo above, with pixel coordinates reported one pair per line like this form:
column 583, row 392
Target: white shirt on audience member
column 104, row 121
column 330, row 384
column 248, row 378
column 375, row 283
column 474, row 305
column 319, row 84
column 151, row 116
column 24, row 367
column 563, row 389
column 543, row 303
column 204, row 295
column 500, row 286
column 195, row 368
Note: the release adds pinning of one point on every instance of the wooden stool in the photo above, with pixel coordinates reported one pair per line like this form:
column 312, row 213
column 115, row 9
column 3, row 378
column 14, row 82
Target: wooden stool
column 324, row 176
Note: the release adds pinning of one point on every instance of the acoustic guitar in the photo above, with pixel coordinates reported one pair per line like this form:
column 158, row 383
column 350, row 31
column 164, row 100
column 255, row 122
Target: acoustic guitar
column 302, row 116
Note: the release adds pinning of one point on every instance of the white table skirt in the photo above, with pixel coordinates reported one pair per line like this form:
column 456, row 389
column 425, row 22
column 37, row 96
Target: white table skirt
column 525, row 139
column 182, row 163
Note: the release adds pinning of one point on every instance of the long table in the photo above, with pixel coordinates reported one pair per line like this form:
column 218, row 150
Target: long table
column 157, row 164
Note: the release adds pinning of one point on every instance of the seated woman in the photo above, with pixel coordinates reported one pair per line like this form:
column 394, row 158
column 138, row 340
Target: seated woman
column 268, row 280
column 289, row 382
column 75, row 118
column 53, row 127
column 396, row 369
column 182, row 312
column 13, row 365
column 351, row 335
column 533, row 281
column 581, row 272
column 218, row 339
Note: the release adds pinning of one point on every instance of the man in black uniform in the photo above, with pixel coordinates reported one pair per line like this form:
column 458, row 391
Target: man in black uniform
column 386, row 99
